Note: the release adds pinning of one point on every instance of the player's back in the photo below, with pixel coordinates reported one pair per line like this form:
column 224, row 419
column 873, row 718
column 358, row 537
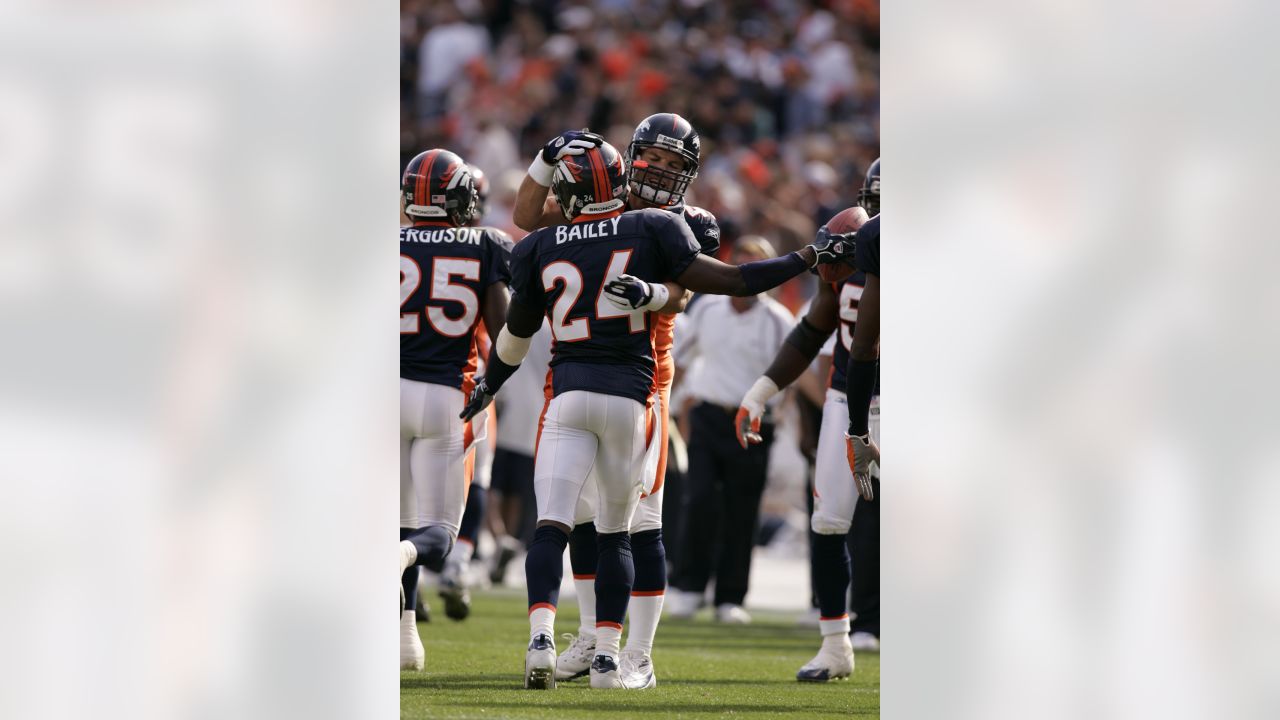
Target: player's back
column 445, row 272
column 564, row 268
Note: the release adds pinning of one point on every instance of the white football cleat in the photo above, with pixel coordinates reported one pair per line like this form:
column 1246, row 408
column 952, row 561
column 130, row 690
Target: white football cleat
column 865, row 641
column 636, row 669
column 681, row 604
column 540, row 663
column 576, row 659
column 412, row 655
column 833, row 662
column 732, row 615
column 604, row 674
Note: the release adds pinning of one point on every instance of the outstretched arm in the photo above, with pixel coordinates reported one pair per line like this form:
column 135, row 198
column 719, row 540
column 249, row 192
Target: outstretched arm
column 801, row 347
column 509, row 349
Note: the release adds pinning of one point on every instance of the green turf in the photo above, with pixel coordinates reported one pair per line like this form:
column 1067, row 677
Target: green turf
column 474, row 670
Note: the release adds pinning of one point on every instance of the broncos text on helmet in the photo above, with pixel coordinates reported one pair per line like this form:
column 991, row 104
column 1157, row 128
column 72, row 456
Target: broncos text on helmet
column 592, row 183
column 437, row 185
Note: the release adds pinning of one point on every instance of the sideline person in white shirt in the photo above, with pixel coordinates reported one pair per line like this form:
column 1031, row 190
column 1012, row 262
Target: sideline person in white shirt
column 726, row 343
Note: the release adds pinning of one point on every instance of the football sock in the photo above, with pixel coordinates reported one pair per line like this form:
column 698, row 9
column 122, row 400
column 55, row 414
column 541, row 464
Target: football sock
column 650, row 558
column 608, row 637
column 831, row 572
column 583, row 556
column 409, row 580
column 433, row 545
column 615, row 575
column 542, row 621
column 469, row 528
column 544, row 566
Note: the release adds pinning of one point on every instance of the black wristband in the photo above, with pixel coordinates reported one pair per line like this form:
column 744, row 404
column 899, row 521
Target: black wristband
column 807, row 339
column 497, row 372
column 860, row 384
column 763, row 275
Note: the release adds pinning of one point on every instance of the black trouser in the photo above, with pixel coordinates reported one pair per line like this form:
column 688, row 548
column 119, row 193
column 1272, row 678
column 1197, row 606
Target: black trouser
column 721, row 505
column 864, row 547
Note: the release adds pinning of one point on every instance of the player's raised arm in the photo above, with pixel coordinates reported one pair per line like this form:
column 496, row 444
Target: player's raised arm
column 535, row 207
column 802, row 346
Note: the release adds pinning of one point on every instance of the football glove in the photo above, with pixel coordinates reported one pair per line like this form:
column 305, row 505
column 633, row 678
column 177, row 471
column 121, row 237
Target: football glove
column 479, row 400
column 830, row 248
column 570, row 142
column 861, row 451
column 747, row 426
column 628, row 292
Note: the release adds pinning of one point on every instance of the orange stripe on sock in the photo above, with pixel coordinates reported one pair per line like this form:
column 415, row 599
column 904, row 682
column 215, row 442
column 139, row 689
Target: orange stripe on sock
column 647, row 593
column 584, row 577
column 606, row 623
column 838, row 617
column 535, row 606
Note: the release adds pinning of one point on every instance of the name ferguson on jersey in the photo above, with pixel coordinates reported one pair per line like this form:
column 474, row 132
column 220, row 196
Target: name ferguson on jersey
column 458, row 235
column 582, row 231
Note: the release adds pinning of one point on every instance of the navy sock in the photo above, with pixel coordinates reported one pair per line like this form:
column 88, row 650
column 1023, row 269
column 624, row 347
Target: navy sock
column 650, row 559
column 615, row 574
column 409, row 580
column 433, row 544
column 469, row 528
column 544, row 565
column 832, row 570
column 583, row 554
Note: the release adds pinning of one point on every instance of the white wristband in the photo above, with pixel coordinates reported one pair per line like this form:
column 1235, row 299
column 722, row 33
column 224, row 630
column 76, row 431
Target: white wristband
column 541, row 172
column 510, row 348
column 758, row 395
column 660, row 297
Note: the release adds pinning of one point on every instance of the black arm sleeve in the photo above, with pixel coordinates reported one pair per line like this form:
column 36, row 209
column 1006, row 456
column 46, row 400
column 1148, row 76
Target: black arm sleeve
column 860, row 384
column 807, row 339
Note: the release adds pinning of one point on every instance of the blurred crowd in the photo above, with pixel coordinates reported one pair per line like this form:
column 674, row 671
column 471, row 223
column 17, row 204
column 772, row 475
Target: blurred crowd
column 784, row 94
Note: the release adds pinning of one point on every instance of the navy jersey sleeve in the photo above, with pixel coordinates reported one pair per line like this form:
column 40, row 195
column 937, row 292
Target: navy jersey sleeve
column 526, row 286
column 705, row 229
column 867, row 247
column 499, row 248
column 676, row 244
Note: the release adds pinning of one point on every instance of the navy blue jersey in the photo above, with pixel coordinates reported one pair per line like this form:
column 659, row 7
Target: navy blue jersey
column 848, row 293
column 703, row 224
column 562, row 270
column 444, row 274
column 867, row 247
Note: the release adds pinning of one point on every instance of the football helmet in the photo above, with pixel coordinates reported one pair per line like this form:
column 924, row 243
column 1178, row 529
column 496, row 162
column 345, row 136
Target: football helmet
column 591, row 183
column 869, row 195
column 481, row 181
column 665, row 131
column 437, row 185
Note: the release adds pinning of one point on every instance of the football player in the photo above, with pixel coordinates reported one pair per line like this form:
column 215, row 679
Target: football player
column 839, row 306
column 455, row 580
column 451, row 277
column 602, row 372
column 864, row 350
column 662, row 161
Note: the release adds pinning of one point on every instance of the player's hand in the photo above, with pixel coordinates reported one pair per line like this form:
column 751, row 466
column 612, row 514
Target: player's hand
column 479, row 400
column 628, row 292
column 570, row 142
column 747, row 426
column 831, row 247
column 861, row 451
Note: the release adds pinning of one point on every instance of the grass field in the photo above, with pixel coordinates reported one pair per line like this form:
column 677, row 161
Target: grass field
column 704, row 670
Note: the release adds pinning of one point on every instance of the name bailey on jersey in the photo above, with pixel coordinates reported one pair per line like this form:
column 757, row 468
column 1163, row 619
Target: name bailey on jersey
column 581, row 231
column 468, row 235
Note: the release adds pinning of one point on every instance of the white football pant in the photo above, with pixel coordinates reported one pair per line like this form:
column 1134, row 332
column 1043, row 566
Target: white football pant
column 583, row 431
column 648, row 514
column 433, row 457
column 834, row 491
